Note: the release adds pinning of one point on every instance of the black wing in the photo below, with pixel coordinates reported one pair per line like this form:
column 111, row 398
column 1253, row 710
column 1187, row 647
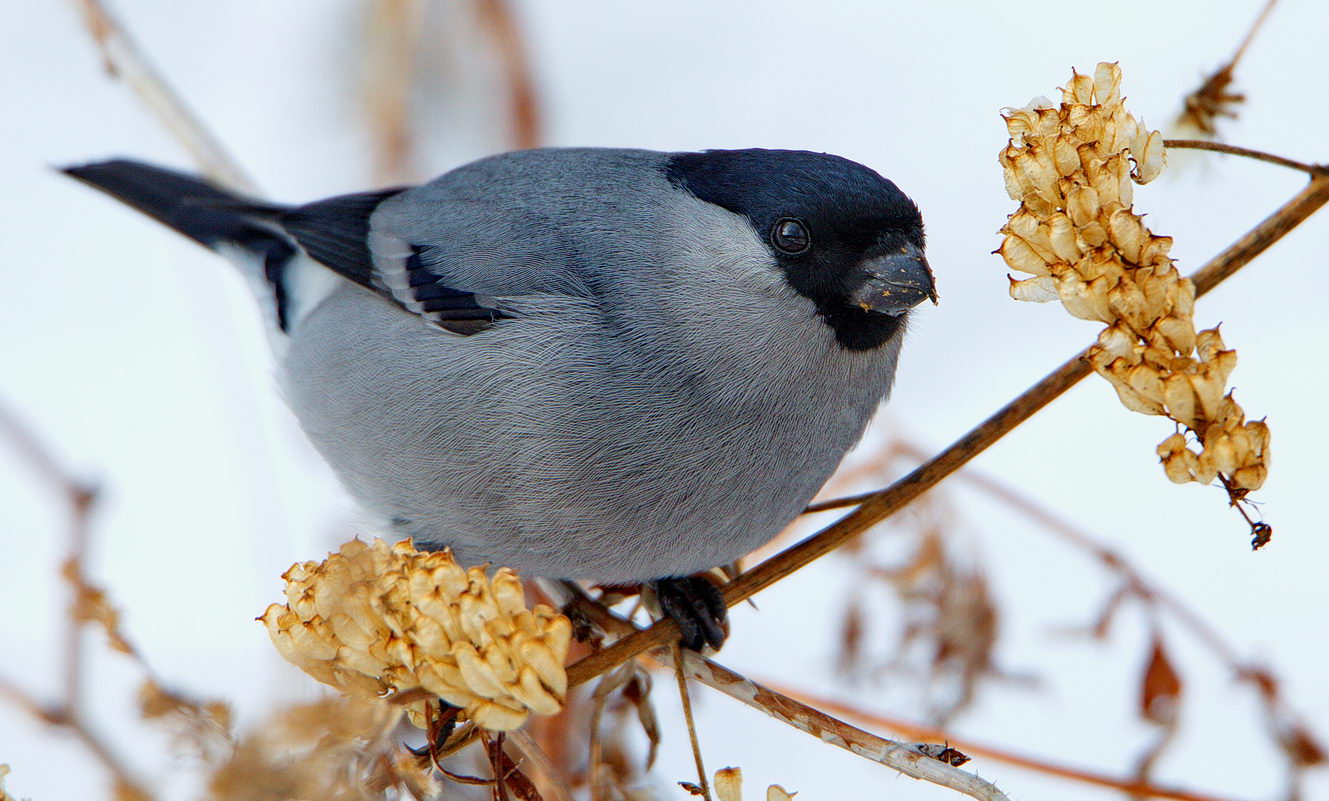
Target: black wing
column 335, row 232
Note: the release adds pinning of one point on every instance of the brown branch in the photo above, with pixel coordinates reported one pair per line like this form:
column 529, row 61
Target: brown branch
column 1234, row 150
column 907, row 758
column 874, row 507
column 975, row 749
column 125, row 60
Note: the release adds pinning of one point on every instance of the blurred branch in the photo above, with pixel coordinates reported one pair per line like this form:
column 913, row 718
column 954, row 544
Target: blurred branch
column 393, row 70
column 1284, row 721
column 68, row 711
column 126, row 61
column 1233, row 150
column 1111, row 560
column 974, row 749
column 523, row 105
column 875, row 506
column 392, row 44
column 907, row 758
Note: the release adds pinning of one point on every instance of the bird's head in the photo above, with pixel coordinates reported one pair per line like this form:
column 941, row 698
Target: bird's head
column 843, row 236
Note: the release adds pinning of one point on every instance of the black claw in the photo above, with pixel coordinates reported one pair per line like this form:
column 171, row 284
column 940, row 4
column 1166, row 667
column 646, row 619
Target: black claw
column 440, row 729
column 697, row 606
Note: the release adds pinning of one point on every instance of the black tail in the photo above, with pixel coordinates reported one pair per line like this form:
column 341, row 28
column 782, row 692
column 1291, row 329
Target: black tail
column 201, row 211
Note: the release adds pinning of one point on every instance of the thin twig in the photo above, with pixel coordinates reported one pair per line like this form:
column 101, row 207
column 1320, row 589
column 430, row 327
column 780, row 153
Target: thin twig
column 974, row 749
column 903, row 757
column 677, row 652
column 873, row 507
column 125, row 60
column 1234, row 150
column 1250, row 34
column 20, row 698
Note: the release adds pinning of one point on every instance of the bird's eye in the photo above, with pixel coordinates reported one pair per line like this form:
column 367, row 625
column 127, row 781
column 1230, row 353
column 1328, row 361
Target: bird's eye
column 790, row 235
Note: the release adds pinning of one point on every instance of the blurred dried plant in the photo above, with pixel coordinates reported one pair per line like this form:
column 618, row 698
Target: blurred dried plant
column 340, row 749
column 403, row 71
column 611, row 771
column 1071, row 168
column 1160, row 684
column 945, row 619
column 375, row 620
column 1214, row 98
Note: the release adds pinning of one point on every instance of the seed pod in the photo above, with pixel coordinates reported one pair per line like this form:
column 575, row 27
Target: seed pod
column 373, row 619
column 1073, row 169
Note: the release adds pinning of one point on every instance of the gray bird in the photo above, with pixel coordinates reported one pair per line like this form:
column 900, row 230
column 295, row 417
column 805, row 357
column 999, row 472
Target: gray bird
column 616, row 365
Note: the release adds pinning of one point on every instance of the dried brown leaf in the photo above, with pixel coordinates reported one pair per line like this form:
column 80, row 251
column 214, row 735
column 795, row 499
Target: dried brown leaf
column 91, row 605
column 1301, row 747
column 1160, row 687
column 638, row 693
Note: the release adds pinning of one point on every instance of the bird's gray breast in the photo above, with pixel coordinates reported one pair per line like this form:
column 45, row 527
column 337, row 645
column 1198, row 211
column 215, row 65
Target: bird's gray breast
column 544, row 450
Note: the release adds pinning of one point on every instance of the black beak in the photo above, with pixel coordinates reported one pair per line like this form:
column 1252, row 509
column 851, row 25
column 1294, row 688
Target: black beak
column 896, row 282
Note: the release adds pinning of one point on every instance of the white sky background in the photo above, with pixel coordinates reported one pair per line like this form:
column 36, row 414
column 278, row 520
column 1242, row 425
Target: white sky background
column 138, row 357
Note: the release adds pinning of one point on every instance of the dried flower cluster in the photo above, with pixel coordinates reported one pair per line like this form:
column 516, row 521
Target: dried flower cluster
column 333, row 749
column 1071, row 169
column 4, row 769
column 376, row 619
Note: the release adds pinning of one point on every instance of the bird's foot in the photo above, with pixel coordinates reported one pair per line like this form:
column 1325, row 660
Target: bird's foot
column 440, row 729
column 696, row 605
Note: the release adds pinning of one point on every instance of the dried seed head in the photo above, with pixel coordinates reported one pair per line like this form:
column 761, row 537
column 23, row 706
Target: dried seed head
column 729, row 787
column 374, row 619
column 1072, row 169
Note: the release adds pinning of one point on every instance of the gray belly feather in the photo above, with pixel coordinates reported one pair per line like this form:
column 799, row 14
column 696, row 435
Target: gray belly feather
column 547, row 451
